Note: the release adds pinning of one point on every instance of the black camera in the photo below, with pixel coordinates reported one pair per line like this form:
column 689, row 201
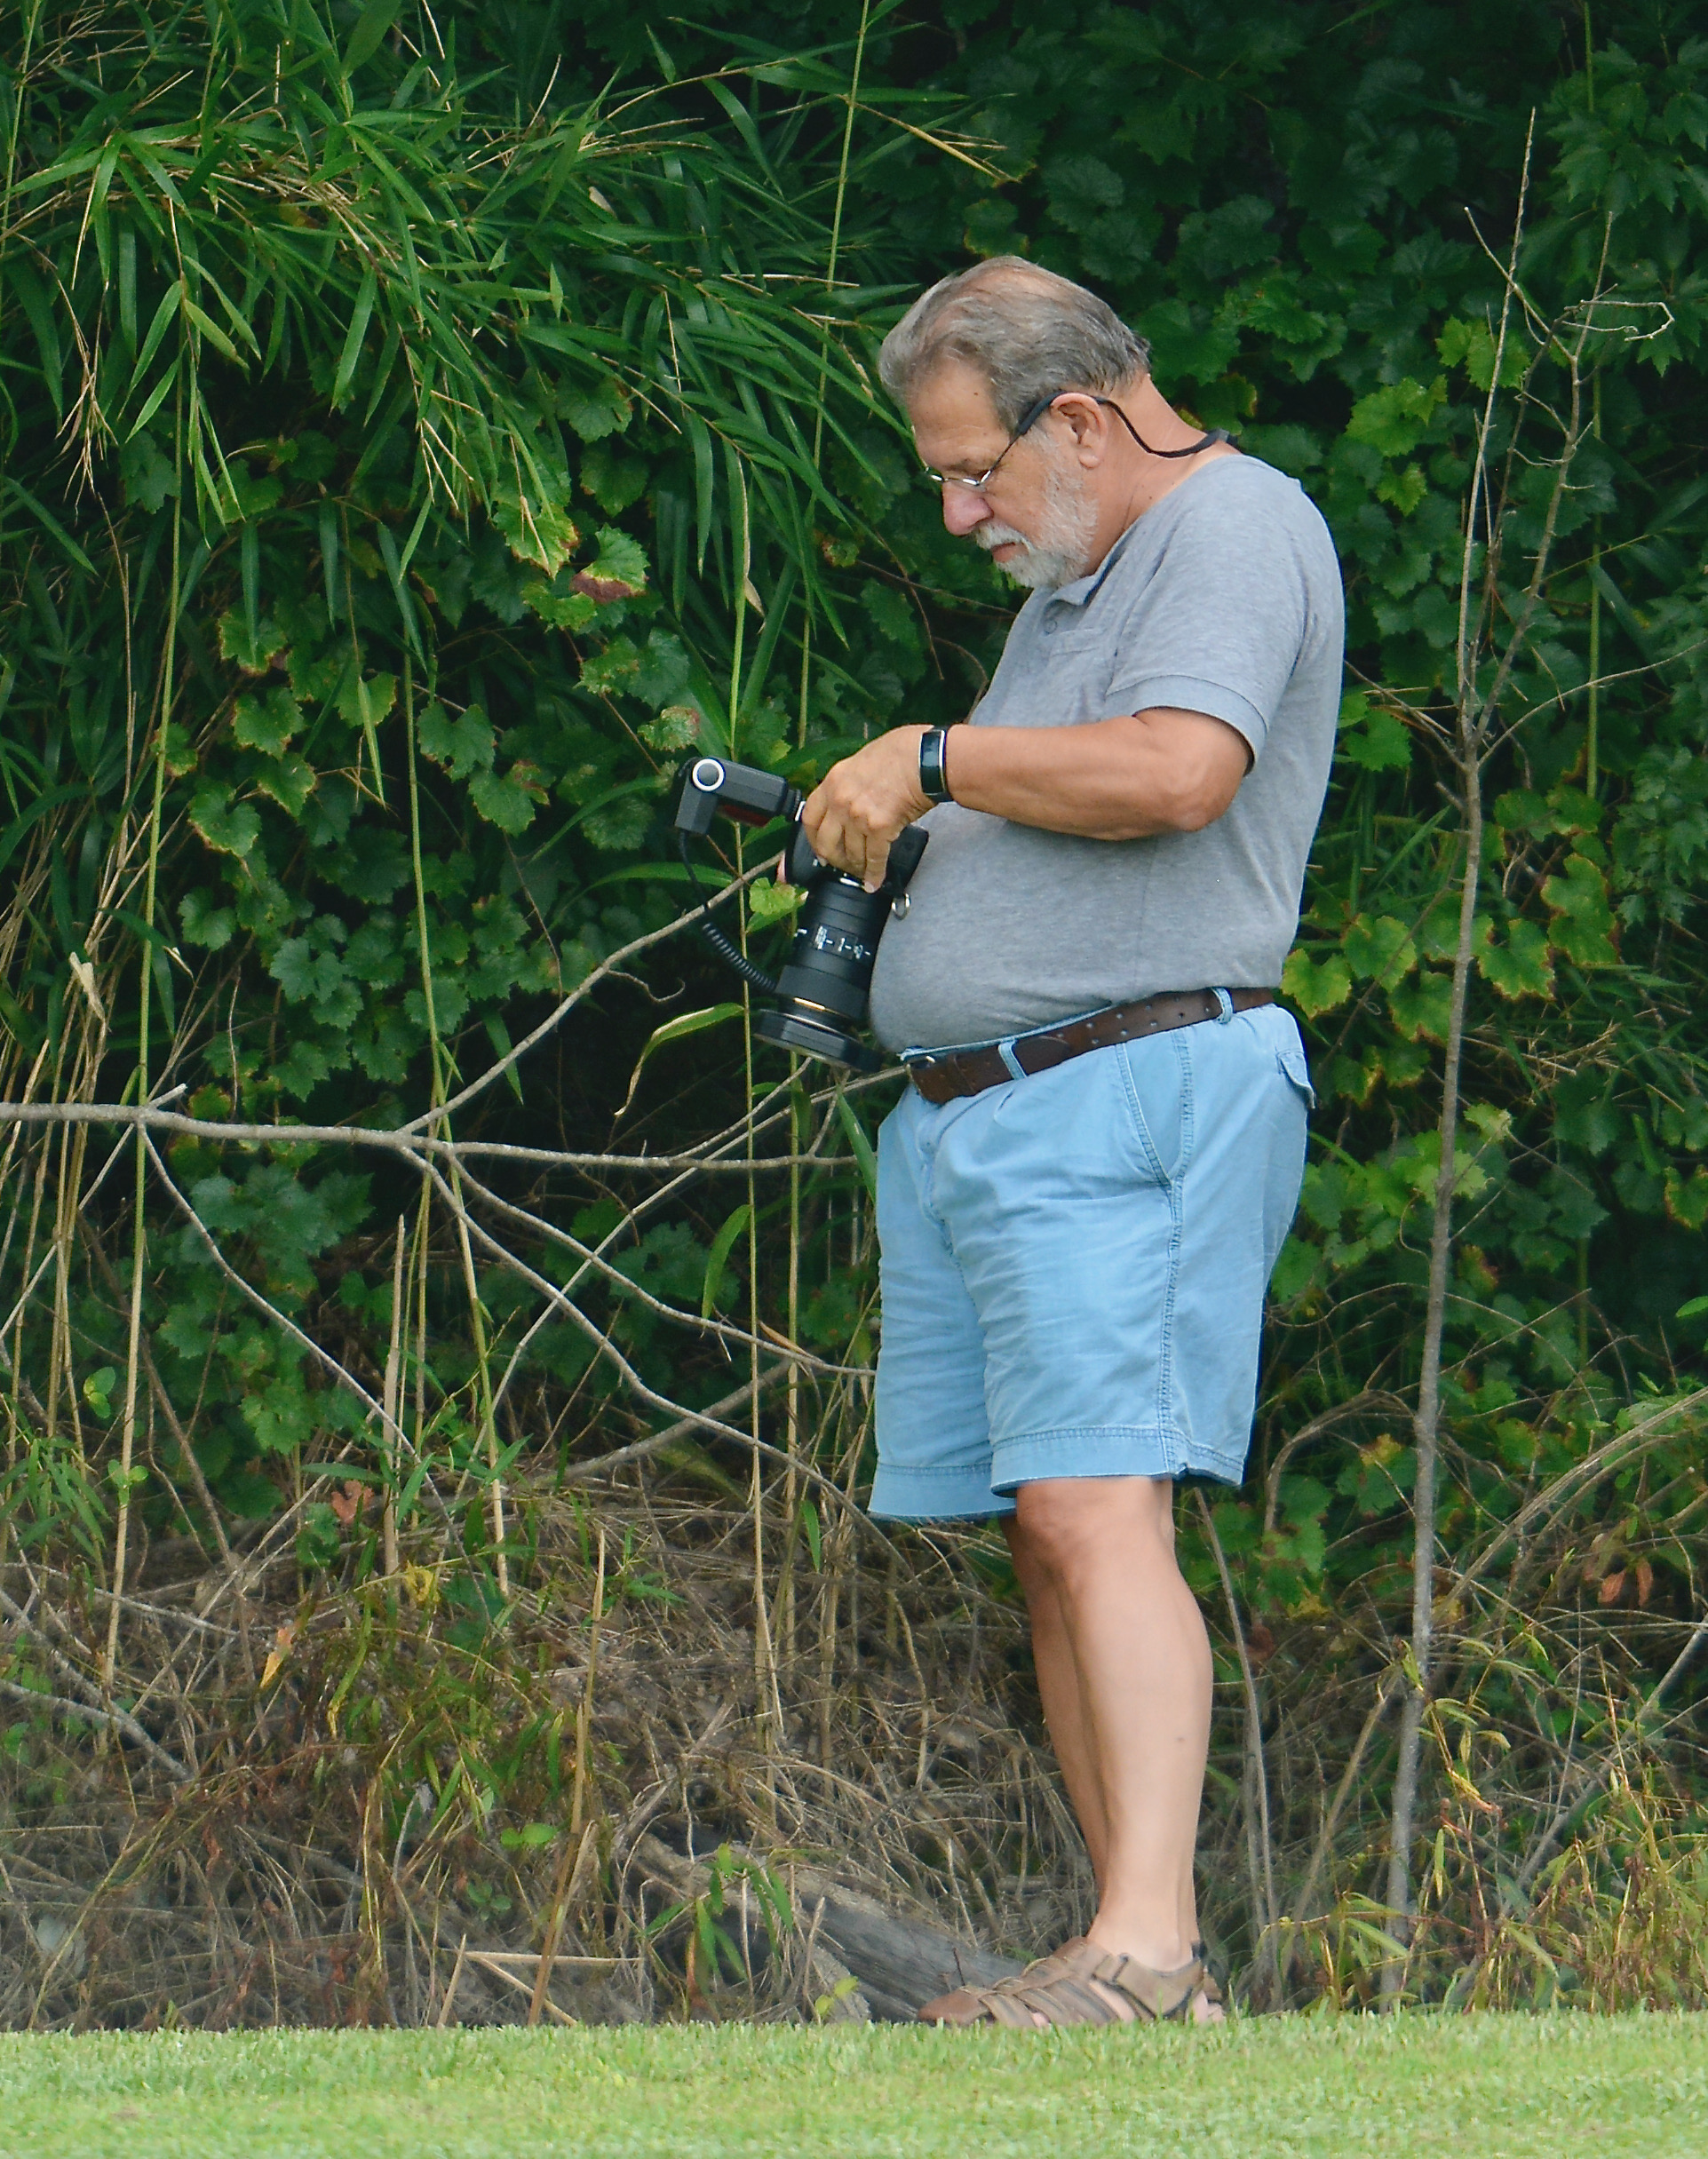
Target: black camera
column 822, row 990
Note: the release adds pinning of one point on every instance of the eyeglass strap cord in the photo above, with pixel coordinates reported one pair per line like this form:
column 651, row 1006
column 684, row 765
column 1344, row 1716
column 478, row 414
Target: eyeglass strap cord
column 1035, row 412
column 1204, row 442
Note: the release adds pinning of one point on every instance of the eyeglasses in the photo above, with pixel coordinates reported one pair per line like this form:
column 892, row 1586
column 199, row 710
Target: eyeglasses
column 1029, row 418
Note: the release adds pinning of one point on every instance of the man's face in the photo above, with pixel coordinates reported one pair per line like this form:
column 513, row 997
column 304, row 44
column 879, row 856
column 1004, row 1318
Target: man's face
column 1035, row 517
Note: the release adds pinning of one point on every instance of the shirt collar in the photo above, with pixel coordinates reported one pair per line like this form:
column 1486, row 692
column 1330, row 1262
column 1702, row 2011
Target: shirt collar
column 1083, row 590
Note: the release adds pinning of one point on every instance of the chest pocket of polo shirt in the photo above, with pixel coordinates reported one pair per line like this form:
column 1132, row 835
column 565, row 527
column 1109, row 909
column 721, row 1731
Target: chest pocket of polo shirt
column 1078, row 667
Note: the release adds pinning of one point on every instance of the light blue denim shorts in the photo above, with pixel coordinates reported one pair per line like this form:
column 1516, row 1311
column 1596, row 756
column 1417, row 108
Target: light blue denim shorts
column 1073, row 1266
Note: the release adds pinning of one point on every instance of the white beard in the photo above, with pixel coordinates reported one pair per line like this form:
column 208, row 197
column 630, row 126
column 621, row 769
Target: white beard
column 1059, row 549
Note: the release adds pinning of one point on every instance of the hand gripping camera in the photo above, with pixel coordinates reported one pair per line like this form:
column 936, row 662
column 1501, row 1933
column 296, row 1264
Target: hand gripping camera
column 821, row 991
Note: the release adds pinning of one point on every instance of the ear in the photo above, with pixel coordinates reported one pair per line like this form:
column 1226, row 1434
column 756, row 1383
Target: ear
column 1089, row 422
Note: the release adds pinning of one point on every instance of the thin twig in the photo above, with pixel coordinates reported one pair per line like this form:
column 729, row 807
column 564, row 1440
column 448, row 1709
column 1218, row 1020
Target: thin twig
column 94, row 1712
column 1253, row 1740
column 1384, row 1693
column 401, row 1140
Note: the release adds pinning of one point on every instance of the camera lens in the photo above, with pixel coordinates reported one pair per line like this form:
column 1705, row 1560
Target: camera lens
column 830, row 961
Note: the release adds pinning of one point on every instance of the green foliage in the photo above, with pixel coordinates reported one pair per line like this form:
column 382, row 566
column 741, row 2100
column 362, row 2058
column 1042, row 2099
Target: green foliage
column 1282, row 207
column 420, row 430
column 388, row 409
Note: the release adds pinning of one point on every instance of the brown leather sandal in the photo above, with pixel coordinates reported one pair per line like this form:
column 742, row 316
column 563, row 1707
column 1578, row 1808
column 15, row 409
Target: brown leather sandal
column 1062, row 1989
column 965, row 2005
column 1212, row 1993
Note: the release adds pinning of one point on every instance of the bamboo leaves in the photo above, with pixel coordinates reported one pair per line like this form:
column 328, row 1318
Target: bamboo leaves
column 43, row 321
column 371, row 26
column 359, row 317
column 718, row 1258
column 677, row 1030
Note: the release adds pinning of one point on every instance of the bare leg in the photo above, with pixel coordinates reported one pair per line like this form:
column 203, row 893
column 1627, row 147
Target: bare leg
column 1064, row 1707
column 1096, row 1558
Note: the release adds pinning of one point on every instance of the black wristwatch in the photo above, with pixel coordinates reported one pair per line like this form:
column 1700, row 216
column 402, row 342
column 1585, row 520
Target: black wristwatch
column 933, row 776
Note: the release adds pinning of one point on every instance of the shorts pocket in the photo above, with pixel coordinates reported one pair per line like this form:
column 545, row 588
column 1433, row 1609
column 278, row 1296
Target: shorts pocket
column 1157, row 1085
column 1290, row 1062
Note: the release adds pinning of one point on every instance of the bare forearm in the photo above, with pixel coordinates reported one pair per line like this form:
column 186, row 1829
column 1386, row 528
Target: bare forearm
column 1160, row 771
column 1128, row 778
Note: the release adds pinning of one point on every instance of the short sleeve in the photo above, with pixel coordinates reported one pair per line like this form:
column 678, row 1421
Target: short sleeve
column 1221, row 623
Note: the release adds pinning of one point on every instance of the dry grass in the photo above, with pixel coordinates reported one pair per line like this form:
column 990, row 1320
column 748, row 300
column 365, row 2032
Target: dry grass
column 390, row 1798
column 370, row 1771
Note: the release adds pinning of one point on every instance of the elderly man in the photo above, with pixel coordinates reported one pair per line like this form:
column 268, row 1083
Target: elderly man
column 1083, row 1192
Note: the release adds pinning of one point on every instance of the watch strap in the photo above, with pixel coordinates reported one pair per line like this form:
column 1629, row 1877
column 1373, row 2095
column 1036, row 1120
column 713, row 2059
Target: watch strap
column 933, row 776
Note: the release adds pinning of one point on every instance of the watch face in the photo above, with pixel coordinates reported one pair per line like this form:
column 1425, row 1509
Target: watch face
column 932, row 781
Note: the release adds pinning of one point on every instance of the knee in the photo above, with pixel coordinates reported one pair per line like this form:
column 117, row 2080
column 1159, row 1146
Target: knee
column 1063, row 1526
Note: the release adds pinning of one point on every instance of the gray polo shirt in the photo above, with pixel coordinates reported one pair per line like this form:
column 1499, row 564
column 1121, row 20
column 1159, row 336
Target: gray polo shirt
column 1224, row 599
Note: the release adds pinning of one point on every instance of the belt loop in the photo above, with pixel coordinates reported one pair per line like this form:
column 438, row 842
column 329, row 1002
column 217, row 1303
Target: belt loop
column 1226, row 1004
column 1005, row 1051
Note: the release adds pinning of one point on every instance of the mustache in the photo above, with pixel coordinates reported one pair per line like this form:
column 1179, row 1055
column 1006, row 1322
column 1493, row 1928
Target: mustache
column 991, row 535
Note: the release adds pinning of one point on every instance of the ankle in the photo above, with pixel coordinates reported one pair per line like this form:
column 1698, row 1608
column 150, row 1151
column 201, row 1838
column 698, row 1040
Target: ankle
column 1162, row 1949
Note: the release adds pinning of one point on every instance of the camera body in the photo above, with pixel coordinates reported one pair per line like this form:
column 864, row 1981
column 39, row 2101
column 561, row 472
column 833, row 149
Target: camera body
column 822, row 990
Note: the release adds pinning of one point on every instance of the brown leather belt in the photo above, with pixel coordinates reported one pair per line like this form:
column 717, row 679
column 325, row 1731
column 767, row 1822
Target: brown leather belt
column 944, row 1076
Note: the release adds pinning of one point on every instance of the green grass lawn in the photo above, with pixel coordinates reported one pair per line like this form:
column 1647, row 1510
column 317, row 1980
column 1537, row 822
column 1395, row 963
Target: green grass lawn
column 1474, row 2088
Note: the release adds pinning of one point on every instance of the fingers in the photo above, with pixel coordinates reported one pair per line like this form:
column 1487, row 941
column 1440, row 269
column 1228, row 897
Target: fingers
column 861, row 805
column 843, row 840
column 836, row 826
column 824, row 822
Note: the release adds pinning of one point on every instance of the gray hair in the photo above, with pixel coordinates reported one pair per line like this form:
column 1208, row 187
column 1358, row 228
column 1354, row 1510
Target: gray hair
column 1026, row 331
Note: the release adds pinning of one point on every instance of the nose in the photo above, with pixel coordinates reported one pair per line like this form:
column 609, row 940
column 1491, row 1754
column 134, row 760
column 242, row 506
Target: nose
column 963, row 510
